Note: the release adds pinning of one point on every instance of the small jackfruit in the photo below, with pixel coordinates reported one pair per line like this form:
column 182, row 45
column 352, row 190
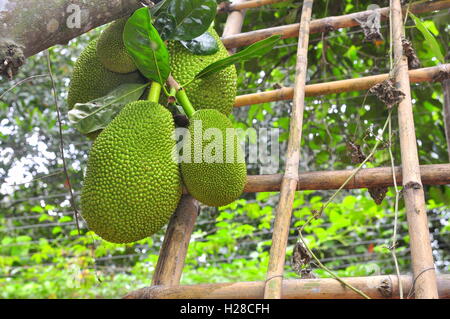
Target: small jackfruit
column 91, row 80
column 111, row 50
column 214, row 170
column 216, row 91
column 132, row 183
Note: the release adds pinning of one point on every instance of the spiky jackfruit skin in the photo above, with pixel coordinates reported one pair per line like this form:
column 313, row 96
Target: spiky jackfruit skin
column 212, row 183
column 217, row 91
column 132, row 184
column 91, row 80
column 112, row 52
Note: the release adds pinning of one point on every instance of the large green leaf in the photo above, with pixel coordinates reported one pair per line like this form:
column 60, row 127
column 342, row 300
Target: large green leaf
column 255, row 50
column 97, row 114
column 429, row 38
column 185, row 19
column 146, row 47
column 204, row 44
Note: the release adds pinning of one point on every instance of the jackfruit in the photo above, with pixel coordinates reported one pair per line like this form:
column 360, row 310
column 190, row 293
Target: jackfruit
column 90, row 80
column 212, row 165
column 216, row 91
column 112, row 52
column 132, row 183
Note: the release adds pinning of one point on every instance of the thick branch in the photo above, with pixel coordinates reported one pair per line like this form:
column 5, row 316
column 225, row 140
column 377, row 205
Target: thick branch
column 38, row 25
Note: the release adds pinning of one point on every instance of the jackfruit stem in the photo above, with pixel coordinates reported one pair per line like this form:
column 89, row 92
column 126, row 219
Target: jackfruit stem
column 155, row 91
column 183, row 99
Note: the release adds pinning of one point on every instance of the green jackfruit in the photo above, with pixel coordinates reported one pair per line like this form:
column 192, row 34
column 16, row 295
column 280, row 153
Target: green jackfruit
column 217, row 91
column 112, row 52
column 216, row 174
column 132, row 184
column 90, row 80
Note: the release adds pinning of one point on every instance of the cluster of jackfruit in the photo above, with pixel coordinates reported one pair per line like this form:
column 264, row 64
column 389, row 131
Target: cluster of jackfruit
column 133, row 179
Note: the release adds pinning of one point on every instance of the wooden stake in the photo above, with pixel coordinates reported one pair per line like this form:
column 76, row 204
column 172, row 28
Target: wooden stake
column 357, row 84
column 176, row 240
column 436, row 174
column 446, row 113
column 421, row 253
column 325, row 24
column 379, row 287
column 234, row 23
column 290, row 179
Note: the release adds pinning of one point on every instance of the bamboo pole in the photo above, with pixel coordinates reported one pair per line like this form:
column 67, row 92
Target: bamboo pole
column 176, row 240
column 377, row 287
column 225, row 7
column 363, row 83
column 289, row 182
column 421, row 253
column 325, row 24
column 446, row 113
column 234, row 23
column 436, row 174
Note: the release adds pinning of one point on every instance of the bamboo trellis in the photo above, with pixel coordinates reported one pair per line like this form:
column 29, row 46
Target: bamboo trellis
column 423, row 283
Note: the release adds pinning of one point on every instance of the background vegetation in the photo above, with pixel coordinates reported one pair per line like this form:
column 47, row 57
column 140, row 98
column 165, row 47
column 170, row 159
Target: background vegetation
column 42, row 255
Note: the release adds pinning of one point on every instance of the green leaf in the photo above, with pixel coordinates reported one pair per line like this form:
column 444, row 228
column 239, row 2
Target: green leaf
column 186, row 19
column 97, row 114
column 166, row 25
column 255, row 50
column 429, row 38
column 204, row 44
column 159, row 7
column 146, row 47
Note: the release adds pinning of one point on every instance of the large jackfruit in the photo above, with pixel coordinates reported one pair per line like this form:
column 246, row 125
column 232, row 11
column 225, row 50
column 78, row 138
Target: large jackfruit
column 111, row 50
column 216, row 91
column 214, row 170
column 132, row 184
column 91, row 80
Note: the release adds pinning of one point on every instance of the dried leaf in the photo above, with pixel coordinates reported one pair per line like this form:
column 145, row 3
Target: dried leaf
column 387, row 93
column 356, row 154
column 413, row 60
column 378, row 194
column 371, row 27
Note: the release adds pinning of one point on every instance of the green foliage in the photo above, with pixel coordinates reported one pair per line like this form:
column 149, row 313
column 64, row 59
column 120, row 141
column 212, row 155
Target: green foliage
column 95, row 115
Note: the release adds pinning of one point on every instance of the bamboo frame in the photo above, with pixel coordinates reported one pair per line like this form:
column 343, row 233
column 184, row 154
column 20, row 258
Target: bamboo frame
column 435, row 174
column 176, row 240
column 421, row 253
column 377, row 287
column 356, row 84
column 225, row 7
column 289, row 182
column 324, row 24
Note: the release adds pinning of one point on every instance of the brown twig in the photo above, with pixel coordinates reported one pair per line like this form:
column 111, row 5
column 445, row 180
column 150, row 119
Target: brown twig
column 61, row 144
